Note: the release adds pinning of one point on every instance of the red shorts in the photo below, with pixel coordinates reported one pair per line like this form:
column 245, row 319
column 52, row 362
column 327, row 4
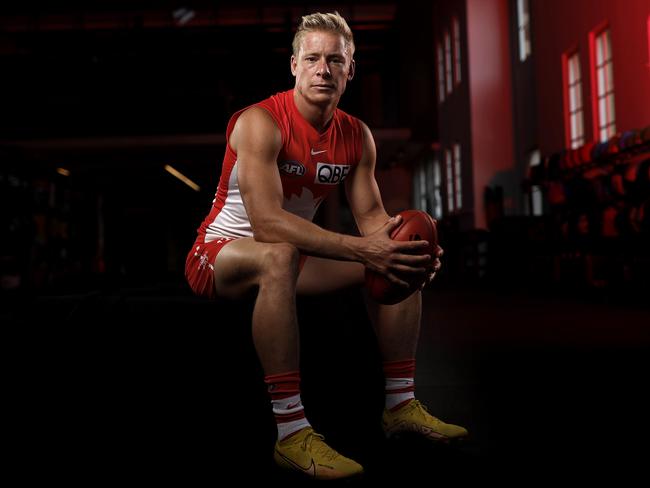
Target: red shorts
column 199, row 265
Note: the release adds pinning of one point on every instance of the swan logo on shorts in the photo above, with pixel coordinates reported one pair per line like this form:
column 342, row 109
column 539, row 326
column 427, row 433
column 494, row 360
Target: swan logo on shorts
column 292, row 168
column 331, row 174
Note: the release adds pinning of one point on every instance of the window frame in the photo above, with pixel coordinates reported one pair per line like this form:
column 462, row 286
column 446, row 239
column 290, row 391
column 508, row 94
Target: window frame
column 572, row 91
column 449, row 83
column 449, row 181
column 441, row 72
column 602, row 70
column 458, row 178
column 523, row 30
column 455, row 29
column 427, row 186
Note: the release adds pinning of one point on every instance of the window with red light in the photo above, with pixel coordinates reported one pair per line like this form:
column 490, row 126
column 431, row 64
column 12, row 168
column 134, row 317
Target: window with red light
column 453, row 178
column 523, row 26
column 575, row 117
column 458, row 189
column 455, row 30
column 427, row 187
column 449, row 177
column 604, row 80
column 448, row 76
column 441, row 73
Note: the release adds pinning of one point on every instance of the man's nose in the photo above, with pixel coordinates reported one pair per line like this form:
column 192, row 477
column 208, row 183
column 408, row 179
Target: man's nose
column 323, row 68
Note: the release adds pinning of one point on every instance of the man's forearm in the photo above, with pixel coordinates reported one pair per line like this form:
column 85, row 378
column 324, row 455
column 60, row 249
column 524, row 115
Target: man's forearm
column 309, row 237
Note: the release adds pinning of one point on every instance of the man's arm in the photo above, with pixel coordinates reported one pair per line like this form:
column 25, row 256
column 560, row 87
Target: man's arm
column 362, row 189
column 257, row 141
column 365, row 199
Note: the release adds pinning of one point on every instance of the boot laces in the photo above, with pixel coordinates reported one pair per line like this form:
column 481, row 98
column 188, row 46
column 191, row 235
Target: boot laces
column 423, row 411
column 321, row 447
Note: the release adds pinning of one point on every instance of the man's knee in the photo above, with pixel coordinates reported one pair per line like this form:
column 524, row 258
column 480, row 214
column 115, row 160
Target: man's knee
column 280, row 261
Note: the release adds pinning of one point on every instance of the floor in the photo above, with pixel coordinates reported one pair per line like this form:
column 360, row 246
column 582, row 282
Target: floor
column 155, row 385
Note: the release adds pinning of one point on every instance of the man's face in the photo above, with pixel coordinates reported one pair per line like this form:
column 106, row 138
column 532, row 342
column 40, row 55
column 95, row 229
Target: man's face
column 322, row 67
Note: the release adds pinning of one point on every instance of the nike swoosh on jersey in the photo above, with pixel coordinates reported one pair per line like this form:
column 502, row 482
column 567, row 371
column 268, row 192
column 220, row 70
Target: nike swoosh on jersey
column 314, row 153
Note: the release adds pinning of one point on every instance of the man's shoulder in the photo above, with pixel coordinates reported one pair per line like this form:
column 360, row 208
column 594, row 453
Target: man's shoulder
column 257, row 116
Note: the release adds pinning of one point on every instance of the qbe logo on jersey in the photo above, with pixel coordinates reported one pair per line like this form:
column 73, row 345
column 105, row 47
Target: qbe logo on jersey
column 331, row 174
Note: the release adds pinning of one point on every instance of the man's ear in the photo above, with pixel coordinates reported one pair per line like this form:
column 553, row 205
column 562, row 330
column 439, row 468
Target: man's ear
column 294, row 64
column 352, row 68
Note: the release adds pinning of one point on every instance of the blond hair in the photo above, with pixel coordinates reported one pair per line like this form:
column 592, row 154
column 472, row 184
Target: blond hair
column 330, row 22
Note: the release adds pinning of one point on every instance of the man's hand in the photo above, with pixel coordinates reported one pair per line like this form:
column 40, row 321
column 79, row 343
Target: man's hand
column 435, row 268
column 392, row 258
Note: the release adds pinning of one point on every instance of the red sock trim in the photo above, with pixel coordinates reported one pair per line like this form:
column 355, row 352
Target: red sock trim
column 283, row 385
column 289, row 417
column 401, row 390
column 404, row 368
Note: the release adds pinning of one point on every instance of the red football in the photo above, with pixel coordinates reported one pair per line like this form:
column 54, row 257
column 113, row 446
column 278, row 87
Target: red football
column 416, row 225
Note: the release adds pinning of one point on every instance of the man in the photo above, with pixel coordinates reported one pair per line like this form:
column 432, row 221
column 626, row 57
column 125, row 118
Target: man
column 283, row 156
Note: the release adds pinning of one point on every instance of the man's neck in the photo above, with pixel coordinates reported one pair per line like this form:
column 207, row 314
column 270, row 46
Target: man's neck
column 318, row 116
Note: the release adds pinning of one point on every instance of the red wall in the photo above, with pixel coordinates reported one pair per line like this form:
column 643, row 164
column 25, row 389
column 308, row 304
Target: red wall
column 488, row 40
column 396, row 188
column 559, row 25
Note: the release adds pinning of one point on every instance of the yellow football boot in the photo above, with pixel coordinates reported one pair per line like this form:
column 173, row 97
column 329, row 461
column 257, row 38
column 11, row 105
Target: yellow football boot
column 306, row 453
column 413, row 417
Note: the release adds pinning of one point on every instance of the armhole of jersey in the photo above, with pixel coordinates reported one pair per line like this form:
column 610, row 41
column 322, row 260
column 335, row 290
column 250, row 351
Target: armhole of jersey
column 231, row 126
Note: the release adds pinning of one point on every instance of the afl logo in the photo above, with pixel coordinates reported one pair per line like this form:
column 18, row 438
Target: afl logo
column 331, row 174
column 292, row 168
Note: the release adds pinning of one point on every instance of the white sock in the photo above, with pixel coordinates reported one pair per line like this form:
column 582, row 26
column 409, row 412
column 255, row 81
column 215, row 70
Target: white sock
column 399, row 390
column 287, row 428
column 289, row 415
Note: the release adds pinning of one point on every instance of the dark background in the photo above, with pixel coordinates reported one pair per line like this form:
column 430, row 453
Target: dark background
column 114, row 371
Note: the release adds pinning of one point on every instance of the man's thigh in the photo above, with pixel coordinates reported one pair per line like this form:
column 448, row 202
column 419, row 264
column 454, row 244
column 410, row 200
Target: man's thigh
column 320, row 275
column 240, row 263
column 237, row 266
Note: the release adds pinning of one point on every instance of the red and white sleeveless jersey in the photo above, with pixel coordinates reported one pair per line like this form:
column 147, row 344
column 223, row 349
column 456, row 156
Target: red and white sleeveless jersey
column 310, row 165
